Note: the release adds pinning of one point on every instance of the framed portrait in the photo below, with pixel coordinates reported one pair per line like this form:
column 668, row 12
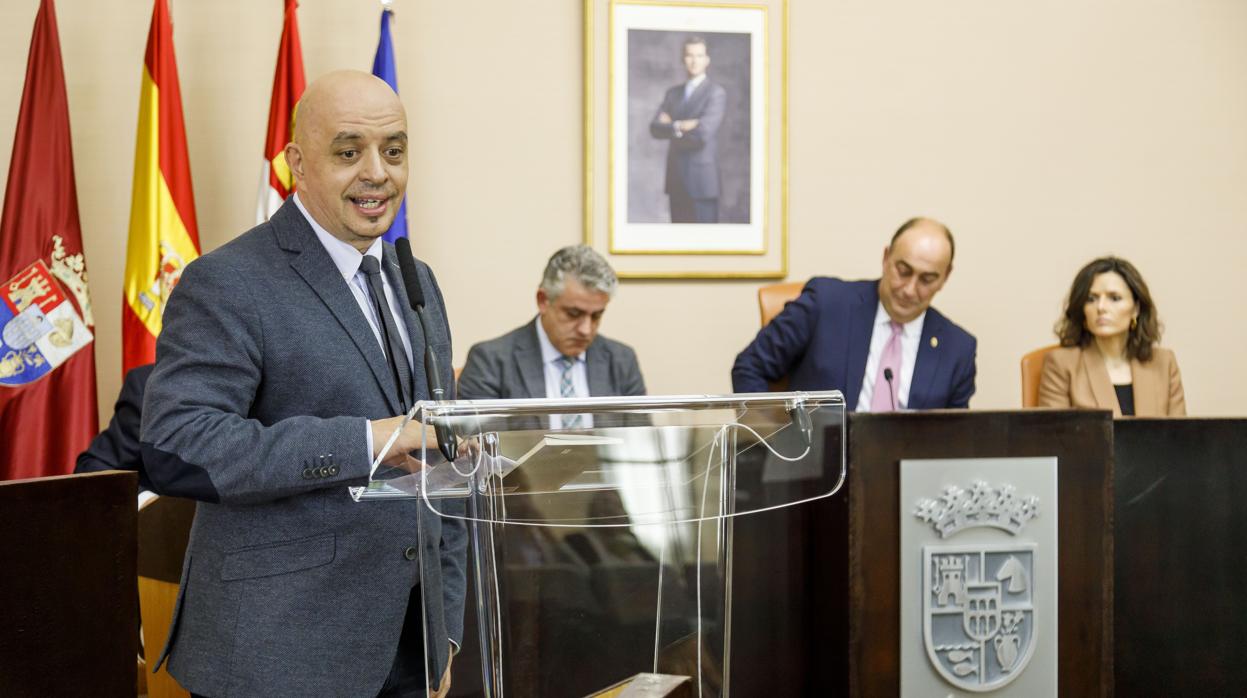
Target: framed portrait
column 686, row 137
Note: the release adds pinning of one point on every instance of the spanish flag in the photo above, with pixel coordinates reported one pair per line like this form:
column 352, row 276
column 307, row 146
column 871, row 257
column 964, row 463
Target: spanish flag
column 276, row 182
column 164, row 236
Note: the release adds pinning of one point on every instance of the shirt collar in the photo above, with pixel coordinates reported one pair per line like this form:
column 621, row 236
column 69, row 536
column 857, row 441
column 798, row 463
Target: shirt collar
column 345, row 257
column 693, row 83
column 909, row 329
column 548, row 353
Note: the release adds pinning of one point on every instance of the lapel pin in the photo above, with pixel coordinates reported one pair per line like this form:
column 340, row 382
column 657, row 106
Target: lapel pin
column 935, row 342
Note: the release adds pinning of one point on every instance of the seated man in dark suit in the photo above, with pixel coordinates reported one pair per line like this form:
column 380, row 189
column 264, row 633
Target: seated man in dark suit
column 879, row 342
column 117, row 447
column 559, row 353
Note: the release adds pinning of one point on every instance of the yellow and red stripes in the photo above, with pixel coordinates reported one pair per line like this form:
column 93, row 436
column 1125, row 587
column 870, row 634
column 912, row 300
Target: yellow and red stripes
column 164, row 235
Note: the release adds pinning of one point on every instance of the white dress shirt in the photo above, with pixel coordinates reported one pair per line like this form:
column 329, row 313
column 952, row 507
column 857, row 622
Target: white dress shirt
column 911, row 334
column 347, row 259
column 552, row 368
column 691, row 86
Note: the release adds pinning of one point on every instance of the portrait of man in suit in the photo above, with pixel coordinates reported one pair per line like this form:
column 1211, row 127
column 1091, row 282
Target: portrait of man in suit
column 559, row 353
column 689, row 117
column 689, row 130
column 284, row 364
column 877, row 341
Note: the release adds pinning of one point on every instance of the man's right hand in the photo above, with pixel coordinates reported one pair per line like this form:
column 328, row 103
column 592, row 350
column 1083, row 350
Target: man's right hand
column 409, row 440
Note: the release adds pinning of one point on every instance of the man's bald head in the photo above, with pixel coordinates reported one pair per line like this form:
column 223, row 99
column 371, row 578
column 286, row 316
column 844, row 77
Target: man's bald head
column 338, row 89
column 349, row 155
column 927, row 225
column 916, row 264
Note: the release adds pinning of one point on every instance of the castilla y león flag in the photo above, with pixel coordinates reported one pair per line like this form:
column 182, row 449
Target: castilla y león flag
column 276, row 182
column 164, row 236
column 47, row 364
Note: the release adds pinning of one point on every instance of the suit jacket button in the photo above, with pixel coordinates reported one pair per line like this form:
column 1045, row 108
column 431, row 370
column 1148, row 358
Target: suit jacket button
column 323, row 471
column 410, row 553
column 307, row 473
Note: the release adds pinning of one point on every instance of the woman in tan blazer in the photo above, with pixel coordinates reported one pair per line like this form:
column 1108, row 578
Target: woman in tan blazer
column 1108, row 356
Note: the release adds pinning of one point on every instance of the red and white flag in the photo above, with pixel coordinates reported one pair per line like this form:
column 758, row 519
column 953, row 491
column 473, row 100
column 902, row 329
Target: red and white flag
column 47, row 364
column 276, row 182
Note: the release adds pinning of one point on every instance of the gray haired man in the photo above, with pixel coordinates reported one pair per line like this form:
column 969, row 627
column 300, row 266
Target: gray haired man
column 559, row 353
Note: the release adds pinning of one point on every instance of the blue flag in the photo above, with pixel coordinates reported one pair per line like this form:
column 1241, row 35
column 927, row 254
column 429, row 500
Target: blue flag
column 383, row 67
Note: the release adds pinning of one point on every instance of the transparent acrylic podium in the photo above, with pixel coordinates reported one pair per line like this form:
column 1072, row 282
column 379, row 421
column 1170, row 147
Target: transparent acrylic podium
column 602, row 528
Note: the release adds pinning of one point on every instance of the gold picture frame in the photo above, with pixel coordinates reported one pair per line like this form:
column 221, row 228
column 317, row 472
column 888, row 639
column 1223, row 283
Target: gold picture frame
column 638, row 57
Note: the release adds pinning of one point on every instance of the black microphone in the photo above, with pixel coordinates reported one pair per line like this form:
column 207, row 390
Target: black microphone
column 887, row 376
column 799, row 418
column 446, row 441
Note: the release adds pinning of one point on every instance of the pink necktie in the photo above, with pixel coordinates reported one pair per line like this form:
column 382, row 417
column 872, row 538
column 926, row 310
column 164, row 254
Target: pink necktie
column 885, row 396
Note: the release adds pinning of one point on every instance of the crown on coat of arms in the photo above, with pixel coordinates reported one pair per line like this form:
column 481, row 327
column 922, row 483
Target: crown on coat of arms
column 982, row 505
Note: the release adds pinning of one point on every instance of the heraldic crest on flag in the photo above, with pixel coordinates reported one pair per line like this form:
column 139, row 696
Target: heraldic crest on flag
column 978, row 600
column 40, row 328
column 168, row 273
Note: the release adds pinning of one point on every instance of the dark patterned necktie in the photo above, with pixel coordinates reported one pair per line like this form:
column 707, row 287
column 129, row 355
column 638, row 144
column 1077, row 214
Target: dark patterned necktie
column 393, row 343
column 568, row 389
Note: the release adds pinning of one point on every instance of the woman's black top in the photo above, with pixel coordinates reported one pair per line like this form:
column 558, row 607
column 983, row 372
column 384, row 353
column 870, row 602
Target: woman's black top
column 1125, row 398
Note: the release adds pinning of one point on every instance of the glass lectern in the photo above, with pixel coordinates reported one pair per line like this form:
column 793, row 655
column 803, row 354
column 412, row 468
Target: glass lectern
column 601, row 528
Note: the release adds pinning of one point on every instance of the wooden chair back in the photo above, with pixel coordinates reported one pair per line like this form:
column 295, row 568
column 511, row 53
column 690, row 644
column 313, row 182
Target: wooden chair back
column 1032, row 368
column 773, row 298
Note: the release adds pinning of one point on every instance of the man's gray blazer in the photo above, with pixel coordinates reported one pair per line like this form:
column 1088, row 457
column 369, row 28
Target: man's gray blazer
column 266, row 372
column 509, row 368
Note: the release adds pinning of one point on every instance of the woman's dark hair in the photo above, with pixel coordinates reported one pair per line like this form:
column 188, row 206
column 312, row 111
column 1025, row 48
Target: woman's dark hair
column 1072, row 327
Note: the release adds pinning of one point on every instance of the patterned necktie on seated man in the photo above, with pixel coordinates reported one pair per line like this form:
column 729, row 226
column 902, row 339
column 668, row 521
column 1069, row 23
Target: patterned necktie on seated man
column 568, row 389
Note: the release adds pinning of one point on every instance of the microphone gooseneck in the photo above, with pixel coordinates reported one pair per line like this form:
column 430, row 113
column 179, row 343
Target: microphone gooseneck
column 411, row 278
column 887, row 376
column 446, row 441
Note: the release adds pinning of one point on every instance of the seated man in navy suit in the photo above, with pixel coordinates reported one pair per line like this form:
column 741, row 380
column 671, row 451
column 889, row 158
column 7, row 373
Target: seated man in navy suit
column 879, row 342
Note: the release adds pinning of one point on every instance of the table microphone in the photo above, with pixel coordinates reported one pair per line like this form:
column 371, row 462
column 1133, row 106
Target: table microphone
column 887, row 376
column 446, row 441
column 800, row 419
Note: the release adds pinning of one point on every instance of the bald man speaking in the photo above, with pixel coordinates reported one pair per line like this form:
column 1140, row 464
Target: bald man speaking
column 879, row 341
column 284, row 362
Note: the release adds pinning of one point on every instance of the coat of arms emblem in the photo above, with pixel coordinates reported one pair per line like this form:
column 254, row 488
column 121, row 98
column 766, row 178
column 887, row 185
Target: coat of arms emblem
column 978, row 609
column 39, row 326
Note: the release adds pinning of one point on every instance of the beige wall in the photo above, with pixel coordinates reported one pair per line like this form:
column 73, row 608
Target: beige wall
column 1043, row 133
